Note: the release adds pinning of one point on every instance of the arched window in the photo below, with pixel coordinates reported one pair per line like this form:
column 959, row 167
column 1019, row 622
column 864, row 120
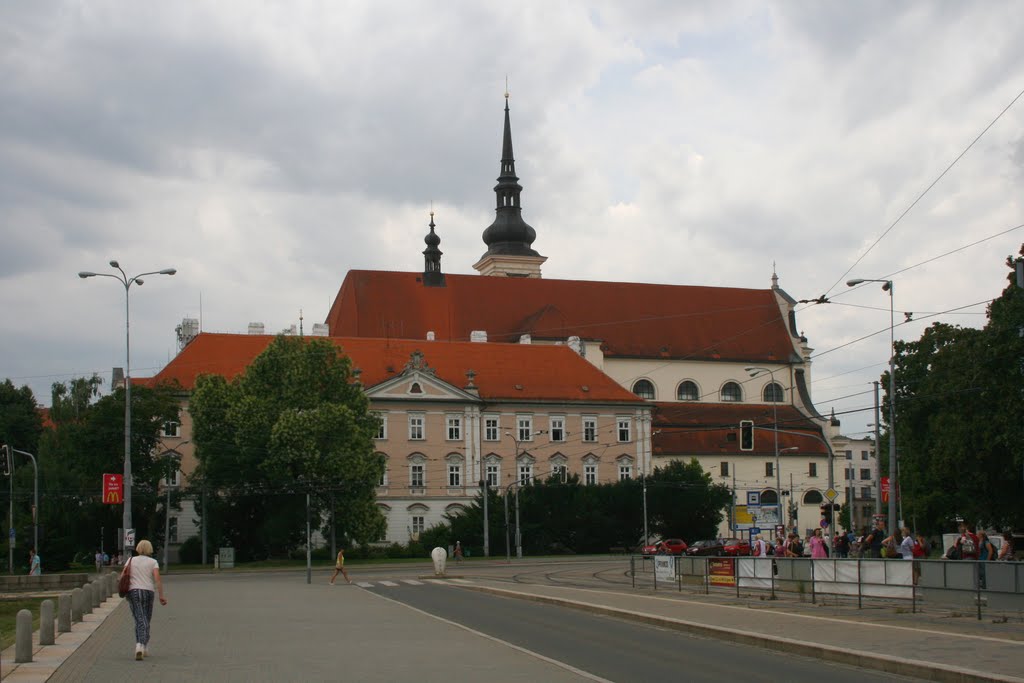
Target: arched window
column 769, row 497
column 731, row 392
column 814, row 497
column 644, row 389
column 688, row 391
column 773, row 393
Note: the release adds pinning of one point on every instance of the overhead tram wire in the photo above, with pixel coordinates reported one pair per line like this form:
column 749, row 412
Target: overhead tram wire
column 921, row 196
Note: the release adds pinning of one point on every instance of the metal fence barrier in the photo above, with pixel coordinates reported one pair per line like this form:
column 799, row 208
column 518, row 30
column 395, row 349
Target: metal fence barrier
column 993, row 586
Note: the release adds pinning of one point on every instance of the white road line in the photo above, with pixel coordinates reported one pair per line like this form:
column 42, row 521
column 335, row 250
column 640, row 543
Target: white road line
column 392, row 584
column 537, row 655
column 364, row 584
column 412, row 582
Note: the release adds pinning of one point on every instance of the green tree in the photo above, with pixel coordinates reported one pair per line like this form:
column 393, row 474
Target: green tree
column 959, row 407
column 294, row 422
column 87, row 440
column 683, row 502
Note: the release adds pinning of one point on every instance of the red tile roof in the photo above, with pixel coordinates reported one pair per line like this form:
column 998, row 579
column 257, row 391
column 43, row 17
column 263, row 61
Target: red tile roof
column 632, row 319
column 517, row 372
column 705, row 429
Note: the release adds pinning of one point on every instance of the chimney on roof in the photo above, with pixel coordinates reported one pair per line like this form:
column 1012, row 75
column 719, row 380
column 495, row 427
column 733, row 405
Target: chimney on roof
column 256, row 328
column 290, row 331
column 478, row 336
column 576, row 344
column 186, row 331
column 525, row 339
column 320, row 330
column 430, row 335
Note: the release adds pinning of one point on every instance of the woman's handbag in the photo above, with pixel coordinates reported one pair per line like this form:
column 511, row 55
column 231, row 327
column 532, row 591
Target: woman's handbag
column 125, row 582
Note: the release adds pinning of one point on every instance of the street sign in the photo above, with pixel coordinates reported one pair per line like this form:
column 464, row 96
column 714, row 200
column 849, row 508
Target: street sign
column 129, row 538
column 753, row 497
column 831, row 494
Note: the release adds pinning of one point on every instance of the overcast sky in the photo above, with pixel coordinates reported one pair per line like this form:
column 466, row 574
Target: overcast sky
column 264, row 149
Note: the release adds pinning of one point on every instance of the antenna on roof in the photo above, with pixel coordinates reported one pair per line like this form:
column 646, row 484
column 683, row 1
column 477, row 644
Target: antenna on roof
column 300, row 322
column 200, row 310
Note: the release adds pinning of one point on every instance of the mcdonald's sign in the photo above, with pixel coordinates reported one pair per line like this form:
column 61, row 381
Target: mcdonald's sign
column 113, row 489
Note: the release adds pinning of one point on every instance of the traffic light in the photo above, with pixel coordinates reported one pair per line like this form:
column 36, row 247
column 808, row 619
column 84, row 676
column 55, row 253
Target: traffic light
column 5, row 460
column 746, row 435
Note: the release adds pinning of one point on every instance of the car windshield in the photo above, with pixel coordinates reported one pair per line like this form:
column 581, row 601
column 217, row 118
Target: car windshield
column 736, row 541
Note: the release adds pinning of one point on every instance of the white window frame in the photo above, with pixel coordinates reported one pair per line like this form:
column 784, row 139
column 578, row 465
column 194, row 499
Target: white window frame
column 492, row 428
column 382, row 429
column 590, row 473
column 625, row 469
column 417, row 425
column 383, row 481
column 556, row 428
column 524, row 427
column 170, row 429
column 454, row 474
column 589, row 428
column 525, row 470
column 624, row 425
column 418, row 524
column 493, row 474
column 173, row 480
column 453, row 427
column 420, row 469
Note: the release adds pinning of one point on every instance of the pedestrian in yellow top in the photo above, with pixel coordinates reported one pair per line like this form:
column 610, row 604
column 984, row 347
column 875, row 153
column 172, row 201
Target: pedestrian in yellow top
column 339, row 566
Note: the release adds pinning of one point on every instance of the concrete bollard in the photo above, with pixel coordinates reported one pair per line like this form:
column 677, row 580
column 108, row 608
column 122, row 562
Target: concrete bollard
column 63, row 613
column 77, row 599
column 87, row 599
column 46, row 634
column 23, row 637
column 97, row 594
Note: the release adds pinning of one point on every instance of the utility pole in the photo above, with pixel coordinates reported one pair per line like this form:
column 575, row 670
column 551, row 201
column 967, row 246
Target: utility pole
column 486, row 488
column 878, row 457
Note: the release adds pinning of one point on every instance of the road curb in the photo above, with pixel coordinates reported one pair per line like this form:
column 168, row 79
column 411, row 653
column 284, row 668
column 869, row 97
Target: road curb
column 893, row 665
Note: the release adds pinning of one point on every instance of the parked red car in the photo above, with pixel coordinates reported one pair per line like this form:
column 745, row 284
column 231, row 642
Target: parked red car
column 668, row 546
column 735, row 546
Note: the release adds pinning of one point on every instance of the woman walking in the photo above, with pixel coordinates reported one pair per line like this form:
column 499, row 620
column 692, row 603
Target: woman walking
column 339, row 567
column 818, row 546
column 145, row 582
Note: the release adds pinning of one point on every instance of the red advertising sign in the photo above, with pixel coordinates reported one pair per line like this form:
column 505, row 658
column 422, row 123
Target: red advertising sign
column 885, row 490
column 113, row 489
column 722, row 571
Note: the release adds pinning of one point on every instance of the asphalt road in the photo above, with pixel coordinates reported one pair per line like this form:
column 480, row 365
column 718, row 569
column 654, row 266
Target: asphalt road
column 613, row 649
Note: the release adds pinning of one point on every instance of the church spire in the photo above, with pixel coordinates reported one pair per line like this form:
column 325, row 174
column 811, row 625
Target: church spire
column 432, row 275
column 509, row 238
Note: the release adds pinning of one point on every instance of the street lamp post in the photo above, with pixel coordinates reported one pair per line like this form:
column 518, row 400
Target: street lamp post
column 887, row 286
column 754, row 372
column 516, row 481
column 127, row 282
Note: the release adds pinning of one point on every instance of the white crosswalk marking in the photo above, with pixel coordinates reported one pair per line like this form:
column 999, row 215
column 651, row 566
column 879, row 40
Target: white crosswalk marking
column 364, row 584
column 412, row 582
column 392, row 584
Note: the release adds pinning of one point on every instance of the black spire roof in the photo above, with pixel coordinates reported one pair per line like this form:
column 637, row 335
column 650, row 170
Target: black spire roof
column 509, row 234
column 432, row 275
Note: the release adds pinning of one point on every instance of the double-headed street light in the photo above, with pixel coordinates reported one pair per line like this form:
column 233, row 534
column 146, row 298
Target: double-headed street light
column 887, row 285
column 127, row 282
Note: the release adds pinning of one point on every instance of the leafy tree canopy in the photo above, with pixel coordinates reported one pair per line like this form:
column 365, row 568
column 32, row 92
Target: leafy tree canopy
column 294, row 422
column 959, row 410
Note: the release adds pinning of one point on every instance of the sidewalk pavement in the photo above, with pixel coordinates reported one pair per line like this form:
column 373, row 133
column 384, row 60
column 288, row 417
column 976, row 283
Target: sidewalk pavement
column 906, row 649
column 47, row 659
